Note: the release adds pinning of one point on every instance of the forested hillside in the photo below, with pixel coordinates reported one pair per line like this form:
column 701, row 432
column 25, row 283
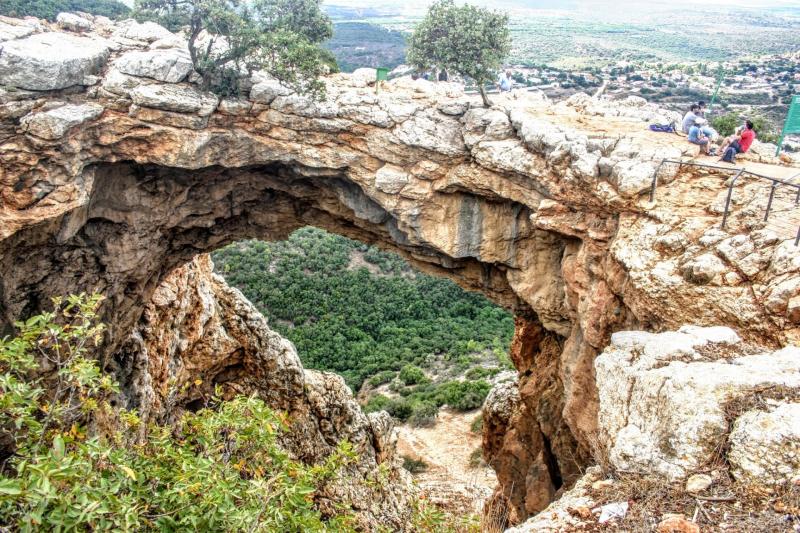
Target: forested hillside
column 364, row 313
column 361, row 44
column 48, row 9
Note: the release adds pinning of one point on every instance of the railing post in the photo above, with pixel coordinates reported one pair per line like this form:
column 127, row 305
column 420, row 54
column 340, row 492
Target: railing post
column 728, row 200
column 655, row 180
column 769, row 202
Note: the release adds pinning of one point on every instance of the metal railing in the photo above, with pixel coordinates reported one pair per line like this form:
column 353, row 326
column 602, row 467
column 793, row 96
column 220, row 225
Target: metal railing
column 776, row 182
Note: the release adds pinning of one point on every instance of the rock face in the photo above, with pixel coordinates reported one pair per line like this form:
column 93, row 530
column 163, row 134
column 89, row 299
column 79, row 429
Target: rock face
column 664, row 403
column 47, row 61
column 196, row 329
column 536, row 204
column 765, row 445
column 55, row 123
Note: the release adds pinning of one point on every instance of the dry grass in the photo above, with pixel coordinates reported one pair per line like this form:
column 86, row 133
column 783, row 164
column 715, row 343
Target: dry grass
column 495, row 515
column 726, row 506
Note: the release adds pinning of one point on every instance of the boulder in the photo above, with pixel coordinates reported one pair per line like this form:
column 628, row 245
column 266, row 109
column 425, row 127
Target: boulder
column 145, row 31
column 391, row 179
column 703, row 269
column 178, row 98
column 632, row 177
column 11, row 28
column 361, row 77
column 765, row 445
column 48, row 61
column 663, row 396
column 73, row 22
column 171, row 65
column 55, row 123
column 266, row 91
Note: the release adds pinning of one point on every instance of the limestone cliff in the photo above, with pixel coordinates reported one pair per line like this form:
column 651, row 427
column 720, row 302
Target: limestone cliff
column 116, row 169
column 198, row 334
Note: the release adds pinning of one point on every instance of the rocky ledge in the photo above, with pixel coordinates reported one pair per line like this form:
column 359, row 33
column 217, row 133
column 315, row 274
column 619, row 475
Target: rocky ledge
column 117, row 168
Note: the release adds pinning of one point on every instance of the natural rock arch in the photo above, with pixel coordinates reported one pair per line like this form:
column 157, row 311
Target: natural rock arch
column 536, row 204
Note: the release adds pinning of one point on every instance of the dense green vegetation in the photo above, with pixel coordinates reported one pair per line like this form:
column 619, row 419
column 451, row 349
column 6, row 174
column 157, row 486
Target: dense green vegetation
column 73, row 462
column 765, row 131
column 77, row 465
column 361, row 44
column 358, row 311
column 49, row 9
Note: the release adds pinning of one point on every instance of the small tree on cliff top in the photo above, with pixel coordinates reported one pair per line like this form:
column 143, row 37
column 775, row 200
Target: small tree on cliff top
column 232, row 38
column 469, row 40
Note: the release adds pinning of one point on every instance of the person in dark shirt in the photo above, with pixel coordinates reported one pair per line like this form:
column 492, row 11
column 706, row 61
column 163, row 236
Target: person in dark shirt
column 738, row 144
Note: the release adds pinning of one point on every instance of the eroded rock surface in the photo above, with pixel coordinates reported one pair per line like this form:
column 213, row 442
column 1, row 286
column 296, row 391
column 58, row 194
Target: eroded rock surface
column 536, row 204
column 665, row 403
column 199, row 331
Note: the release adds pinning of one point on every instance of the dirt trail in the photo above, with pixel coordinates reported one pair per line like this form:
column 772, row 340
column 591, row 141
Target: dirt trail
column 446, row 447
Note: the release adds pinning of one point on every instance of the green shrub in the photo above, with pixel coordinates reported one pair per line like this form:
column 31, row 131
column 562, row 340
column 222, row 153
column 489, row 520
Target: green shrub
column 726, row 125
column 476, row 458
column 479, row 372
column 414, row 466
column 477, row 424
column 281, row 37
column 423, row 414
column 399, row 408
column 463, row 395
column 382, row 377
column 76, row 465
column 411, row 375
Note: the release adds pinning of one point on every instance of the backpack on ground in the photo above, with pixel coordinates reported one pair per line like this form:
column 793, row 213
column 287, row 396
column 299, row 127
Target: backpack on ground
column 663, row 128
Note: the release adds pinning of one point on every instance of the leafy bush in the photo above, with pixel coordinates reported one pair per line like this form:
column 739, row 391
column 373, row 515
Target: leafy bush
column 76, row 466
column 382, row 377
column 423, row 414
column 399, row 408
column 476, row 458
column 463, row 395
column 411, row 375
column 49, row 9
column 414, row 466
column 480, row 372
column 726, row 125
column 477, row 424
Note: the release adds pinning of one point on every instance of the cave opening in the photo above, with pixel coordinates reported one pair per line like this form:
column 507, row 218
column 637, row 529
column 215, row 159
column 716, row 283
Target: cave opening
column 147, row 225
column 417, row 346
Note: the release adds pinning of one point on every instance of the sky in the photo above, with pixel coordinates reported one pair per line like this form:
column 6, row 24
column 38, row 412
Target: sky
column 571, row 4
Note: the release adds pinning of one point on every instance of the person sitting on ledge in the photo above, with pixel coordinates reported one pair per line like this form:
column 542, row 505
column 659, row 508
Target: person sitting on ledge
column 689, row 118
column 738, row 143
column 696, row 136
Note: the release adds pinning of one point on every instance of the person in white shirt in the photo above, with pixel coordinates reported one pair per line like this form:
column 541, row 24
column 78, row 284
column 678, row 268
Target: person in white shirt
column 505, row 82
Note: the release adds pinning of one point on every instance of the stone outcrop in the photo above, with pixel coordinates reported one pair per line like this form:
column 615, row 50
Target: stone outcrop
column 198, row 331
column 51, row 60
column 668, row 402
column 536, row 204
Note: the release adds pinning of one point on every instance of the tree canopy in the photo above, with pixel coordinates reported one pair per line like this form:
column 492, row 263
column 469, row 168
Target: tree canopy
column 49, row 9
column 359, row 311
column 229, row 39
column 468, row 40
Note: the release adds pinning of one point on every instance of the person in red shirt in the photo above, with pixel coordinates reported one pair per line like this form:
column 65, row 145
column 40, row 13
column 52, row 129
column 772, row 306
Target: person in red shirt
column 738, row 144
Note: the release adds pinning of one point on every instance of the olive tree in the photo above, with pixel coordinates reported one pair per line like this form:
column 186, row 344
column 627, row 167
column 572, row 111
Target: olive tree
column 469, row 40
column 229, row 39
